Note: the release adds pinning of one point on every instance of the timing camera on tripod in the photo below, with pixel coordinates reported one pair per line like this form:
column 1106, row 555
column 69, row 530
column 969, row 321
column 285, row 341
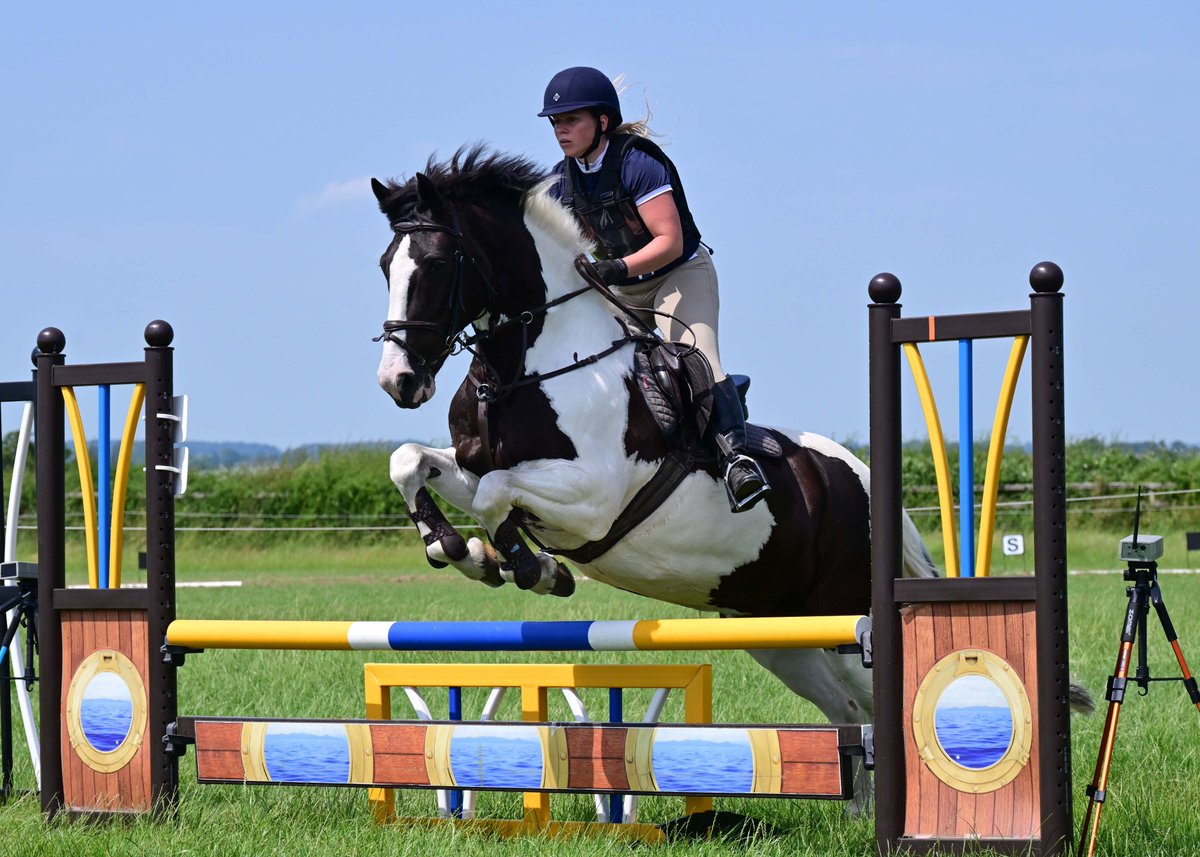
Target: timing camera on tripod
column 19, row 603
column 1141, row 555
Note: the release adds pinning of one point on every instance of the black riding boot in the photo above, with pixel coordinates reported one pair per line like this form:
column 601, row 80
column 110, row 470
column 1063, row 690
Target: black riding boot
column 744, row 479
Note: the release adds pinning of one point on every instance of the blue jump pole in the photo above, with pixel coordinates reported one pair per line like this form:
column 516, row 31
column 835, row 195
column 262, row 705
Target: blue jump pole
column 455, row 795
column 966, row 461
column 104, row 487
column 616, row 714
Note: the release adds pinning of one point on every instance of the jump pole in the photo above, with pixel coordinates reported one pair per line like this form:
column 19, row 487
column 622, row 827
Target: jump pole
column 819, row 632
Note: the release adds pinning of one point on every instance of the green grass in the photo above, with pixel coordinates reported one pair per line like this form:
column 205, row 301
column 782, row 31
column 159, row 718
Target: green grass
column 1154, row 789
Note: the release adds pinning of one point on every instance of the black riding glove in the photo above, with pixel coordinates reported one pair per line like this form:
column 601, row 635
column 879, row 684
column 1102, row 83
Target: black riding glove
column 612, row 271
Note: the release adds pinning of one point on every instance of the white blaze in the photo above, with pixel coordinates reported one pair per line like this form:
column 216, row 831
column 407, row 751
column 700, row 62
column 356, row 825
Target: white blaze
column 394, row 361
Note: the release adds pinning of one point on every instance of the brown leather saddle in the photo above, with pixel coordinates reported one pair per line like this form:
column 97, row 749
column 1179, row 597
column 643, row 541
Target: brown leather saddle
column 676, row 383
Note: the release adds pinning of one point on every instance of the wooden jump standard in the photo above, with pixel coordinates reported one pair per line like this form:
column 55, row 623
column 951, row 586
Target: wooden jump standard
column 927, row 635
column 1011, row 630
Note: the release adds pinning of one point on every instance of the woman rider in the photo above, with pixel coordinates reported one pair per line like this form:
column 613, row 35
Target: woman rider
column 628, row 196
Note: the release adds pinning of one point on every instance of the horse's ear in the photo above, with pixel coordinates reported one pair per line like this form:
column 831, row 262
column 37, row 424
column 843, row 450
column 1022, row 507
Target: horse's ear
column 428, row 195
column 380, row 190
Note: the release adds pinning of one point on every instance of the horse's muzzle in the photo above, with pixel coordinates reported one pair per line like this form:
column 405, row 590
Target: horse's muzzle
column 409, row 389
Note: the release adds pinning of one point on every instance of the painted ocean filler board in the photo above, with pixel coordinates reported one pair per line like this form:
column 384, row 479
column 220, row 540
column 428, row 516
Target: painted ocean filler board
column 669, row 759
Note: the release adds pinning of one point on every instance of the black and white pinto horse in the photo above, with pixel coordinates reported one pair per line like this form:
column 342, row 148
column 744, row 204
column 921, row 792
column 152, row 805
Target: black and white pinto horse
column 478, row 241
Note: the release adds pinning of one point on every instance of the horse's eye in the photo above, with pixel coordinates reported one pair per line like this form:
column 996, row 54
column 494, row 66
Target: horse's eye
column 435, row 264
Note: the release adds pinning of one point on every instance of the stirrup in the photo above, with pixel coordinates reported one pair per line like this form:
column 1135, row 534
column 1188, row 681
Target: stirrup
column 750, row 500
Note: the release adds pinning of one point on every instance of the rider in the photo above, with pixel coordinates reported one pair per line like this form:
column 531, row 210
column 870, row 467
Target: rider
column 632, row 203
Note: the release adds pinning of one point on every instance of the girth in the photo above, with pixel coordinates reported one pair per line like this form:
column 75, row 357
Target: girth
column 672, row 471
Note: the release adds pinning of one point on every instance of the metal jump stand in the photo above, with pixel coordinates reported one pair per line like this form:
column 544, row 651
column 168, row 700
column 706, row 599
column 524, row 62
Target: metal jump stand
column 1143, row 574
column 21, row 600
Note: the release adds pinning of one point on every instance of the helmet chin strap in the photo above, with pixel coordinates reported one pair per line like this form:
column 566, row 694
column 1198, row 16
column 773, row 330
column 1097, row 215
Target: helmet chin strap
column 599, row 135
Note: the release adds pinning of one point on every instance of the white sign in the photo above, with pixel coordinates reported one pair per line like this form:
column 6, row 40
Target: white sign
column 1012, row 545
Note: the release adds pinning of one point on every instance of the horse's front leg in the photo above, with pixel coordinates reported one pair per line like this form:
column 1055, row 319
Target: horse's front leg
column 413, row 467
column 560, row 494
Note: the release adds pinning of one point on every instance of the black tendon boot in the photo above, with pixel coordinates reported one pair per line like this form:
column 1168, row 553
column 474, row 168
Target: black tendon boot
column 744, row 479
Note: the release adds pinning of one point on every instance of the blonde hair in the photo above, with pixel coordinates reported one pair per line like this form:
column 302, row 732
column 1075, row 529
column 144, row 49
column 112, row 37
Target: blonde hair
column 638, row 127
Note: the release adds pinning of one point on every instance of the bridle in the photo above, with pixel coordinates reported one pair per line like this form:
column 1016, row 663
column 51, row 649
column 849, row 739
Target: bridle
column 451, row 333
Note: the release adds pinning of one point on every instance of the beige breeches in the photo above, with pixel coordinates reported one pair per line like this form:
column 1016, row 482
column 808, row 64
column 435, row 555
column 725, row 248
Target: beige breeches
column 689, row 293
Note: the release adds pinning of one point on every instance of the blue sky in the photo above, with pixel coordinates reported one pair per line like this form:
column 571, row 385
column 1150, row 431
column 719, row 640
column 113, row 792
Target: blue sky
column 208, row 164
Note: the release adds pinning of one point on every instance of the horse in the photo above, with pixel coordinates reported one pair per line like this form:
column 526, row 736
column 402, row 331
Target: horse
column 551, row 434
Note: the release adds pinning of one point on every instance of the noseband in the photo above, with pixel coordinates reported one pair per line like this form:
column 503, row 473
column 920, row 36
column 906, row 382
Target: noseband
column 450, row 333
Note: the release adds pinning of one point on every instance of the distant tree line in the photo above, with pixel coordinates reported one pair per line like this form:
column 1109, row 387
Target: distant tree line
column 344, row 493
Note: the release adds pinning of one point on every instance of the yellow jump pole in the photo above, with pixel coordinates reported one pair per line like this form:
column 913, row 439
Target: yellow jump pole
column 86, row 486
column 117, row 537
column 941, row 466
column 991, row 481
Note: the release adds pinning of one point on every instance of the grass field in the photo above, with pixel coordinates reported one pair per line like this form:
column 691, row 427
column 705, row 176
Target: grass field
column 1154, row 790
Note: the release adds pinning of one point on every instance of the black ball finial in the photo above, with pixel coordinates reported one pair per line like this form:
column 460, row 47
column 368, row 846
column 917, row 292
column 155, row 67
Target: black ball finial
column 33, row 355
column 884, row 288
column 51, row 341
column 159, row 334
column 1046, row 277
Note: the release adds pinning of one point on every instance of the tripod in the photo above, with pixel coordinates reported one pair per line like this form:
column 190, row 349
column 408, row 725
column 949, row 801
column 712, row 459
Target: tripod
column 1143, row 593
column 22, row 601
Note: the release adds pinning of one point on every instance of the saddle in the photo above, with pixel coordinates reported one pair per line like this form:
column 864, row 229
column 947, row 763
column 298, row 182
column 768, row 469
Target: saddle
column 676, row 383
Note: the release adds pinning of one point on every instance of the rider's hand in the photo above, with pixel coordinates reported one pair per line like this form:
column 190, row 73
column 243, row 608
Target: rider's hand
column 612, row 271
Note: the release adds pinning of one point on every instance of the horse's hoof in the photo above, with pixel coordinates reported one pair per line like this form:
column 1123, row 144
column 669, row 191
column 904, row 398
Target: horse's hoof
column 435, row 563
column 564, row 583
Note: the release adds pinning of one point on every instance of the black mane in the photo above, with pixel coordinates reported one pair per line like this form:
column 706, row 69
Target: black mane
column 473, row 173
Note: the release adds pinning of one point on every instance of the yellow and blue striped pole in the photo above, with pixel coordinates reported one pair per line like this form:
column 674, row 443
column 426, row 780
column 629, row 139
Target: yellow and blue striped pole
column 793, row 632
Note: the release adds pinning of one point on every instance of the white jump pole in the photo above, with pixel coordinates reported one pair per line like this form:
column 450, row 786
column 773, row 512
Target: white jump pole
column 16, row 653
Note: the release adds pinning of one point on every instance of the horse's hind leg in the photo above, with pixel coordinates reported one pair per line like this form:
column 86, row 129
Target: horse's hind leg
column 838, row 685
column 412, row 468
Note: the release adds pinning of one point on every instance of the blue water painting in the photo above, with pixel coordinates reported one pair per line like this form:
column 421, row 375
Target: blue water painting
column 973, row 722
column 975, row 737
column 307, row 753
column 492, row 757
column 105, row 722
column 106, row 712
column 683, row 761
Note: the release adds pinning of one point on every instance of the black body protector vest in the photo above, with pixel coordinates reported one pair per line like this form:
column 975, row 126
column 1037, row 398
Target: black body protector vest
column 608, row 213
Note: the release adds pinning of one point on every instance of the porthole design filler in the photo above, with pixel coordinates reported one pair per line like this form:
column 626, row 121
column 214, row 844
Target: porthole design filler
column 106, row 711
column 972, row 722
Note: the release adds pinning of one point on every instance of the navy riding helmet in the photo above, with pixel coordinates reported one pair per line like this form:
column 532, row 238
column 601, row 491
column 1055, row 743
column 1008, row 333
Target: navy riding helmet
column 582, row 87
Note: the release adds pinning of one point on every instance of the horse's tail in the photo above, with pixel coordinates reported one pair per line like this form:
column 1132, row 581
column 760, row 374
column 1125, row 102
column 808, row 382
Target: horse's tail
column 916, row 559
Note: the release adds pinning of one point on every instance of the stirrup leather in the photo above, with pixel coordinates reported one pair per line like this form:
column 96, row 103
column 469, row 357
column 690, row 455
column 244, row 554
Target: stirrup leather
column 750, row 500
